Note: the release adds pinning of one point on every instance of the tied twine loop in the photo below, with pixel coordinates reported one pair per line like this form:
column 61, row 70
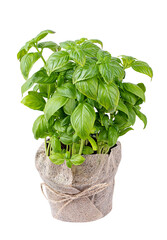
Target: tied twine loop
column 68, row 198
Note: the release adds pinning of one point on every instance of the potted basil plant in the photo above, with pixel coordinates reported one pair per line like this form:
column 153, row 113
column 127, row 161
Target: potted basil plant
column 85, row 105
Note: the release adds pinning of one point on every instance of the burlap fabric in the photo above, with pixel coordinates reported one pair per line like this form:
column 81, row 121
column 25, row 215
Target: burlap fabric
column 83, row 193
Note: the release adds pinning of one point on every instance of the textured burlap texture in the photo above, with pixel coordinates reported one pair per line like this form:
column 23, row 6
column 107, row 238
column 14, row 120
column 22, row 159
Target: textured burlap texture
column 83, row 193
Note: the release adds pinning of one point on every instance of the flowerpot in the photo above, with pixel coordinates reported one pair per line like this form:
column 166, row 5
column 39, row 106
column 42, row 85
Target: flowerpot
column 83, row 193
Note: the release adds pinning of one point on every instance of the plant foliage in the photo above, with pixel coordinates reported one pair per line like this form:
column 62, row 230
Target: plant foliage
column 81, row 90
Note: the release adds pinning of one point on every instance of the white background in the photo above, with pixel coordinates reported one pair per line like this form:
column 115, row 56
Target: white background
column 136, row 28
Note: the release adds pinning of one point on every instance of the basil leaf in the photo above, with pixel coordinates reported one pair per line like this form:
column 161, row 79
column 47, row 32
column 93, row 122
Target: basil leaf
column 56, row 61
column 66, row 138
column 24, row 50
column 93, row 143
column 53, row 104
column 69, row 106
column 51, row 45
column 142, row 86
column 34, row 101
column 58, row 127
column 142, row 67
column 87, row 150
column 77, row 159
column 42, row 34
column 78, row 56
column 81, row 40
column 88, row 87
column 82, row 119
column 57, row 158
column 56, row 145
column 90, row 70
column 103, row 56
column 112, row 136
column 27, row 62
column 103, row 136
column 69, row 65
column 90, row 49
column 132, row 114
column 108, row 96
column 128, row 97
column 40, row 127
column 124, row 131
column 96, row 41
column 66, row 90
column 68, row 45
column 127, row 61
column 122, row 107
column 141, row 116
column 135, row 89
column 111, row 70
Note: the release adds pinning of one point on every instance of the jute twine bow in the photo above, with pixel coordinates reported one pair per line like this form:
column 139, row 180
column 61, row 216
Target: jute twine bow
column 68, row 198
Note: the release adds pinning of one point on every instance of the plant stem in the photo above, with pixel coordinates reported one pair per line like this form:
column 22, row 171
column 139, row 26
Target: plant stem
column 45, row 147
column 81, row 146
column 49, row 91
column 73, row 148
column 40, row 54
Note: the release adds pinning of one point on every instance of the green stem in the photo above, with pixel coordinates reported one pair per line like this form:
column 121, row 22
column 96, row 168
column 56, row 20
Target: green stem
column 45, row 147
column 73, row 148
column 81, row 146
column 40, row 54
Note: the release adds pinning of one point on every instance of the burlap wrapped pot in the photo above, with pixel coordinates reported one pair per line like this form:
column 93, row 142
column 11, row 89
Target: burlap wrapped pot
column 83, row 193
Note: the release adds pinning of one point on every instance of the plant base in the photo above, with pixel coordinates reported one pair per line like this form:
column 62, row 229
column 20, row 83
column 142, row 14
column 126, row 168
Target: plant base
column 83, row 193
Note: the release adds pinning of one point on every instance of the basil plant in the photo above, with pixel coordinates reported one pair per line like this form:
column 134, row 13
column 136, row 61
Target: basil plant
column 81, row 92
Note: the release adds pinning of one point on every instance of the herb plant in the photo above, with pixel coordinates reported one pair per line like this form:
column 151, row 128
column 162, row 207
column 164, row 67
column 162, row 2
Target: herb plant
column 80, row 90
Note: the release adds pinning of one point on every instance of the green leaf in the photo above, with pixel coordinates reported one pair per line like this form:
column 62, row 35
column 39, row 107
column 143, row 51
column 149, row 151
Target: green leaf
column 34, row 101
column 78, row 56
column 57, row 158
column 51, row 45
column 27, row 85
column 124, row 131
column 90, row 49
column 40, row 127
column 77, row 159
column 87, row 150
column 56, row 61
column 66, row 90
column 69, row 106
column 24, row 50
column 142, row 67
column 108, row 96
column 68, row 45
column 65, row 121
column 81, row 40
column 142, row 86
column 68, row 163
column 58, row 127
column 128, row 97
column 53, row 104
column 132, row 114
column 112, row 136
column 90, row 70
column 69, row 74
column 42, row 34
column 122, row 107
column 103, row 56
column 66, row 139
column 127, row 61
column 111, row 70
column 88, row 87
column 27, row 62
column 93, row 143
column 141, row 116
column 82, row 119
column 121, row 120
column 56, row 145
column 69, row 65
column 39, row 77
column 96, row 41
column 135, row 89
column 103, row 136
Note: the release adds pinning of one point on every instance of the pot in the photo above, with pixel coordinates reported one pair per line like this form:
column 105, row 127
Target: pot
column 83, row 193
